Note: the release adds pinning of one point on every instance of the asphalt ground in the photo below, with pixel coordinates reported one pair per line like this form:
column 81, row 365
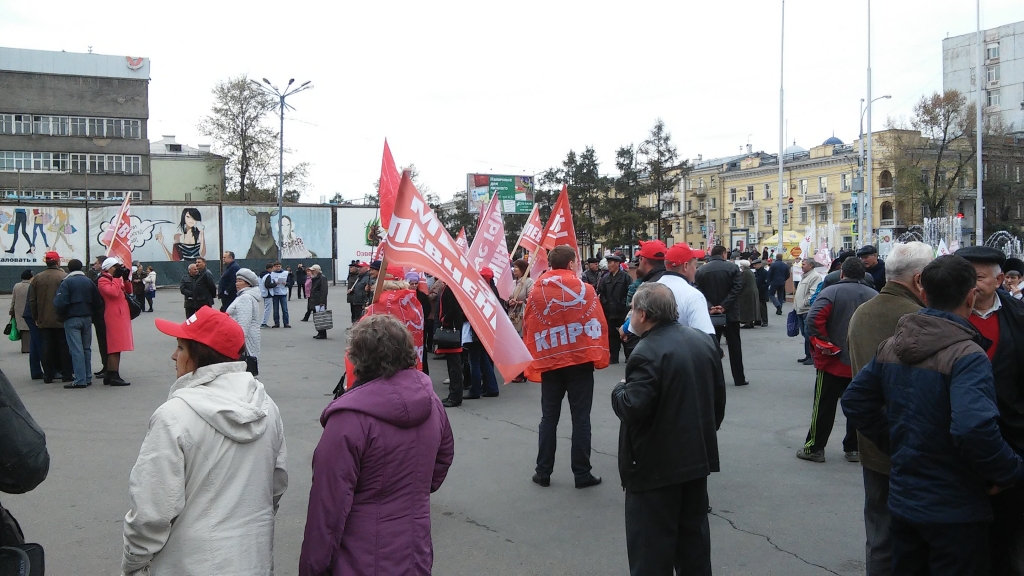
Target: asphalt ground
column 772, row 513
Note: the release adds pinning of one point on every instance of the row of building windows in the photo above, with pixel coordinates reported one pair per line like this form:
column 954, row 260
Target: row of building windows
column 19, row 124
column 71, row 194
column 74, row 163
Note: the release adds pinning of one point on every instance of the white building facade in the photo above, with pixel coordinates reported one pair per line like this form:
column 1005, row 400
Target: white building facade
column 1002, row 77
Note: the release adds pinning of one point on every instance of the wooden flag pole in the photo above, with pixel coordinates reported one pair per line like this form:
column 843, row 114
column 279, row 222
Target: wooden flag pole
column 381, row 274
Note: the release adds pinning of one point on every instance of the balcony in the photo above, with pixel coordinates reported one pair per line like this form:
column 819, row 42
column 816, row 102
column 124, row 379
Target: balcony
column 887, row 191
column 967, row 194
column 744, row 205
column 820, row 198
column 887, row 223
column 702, row 213
column 700, row 191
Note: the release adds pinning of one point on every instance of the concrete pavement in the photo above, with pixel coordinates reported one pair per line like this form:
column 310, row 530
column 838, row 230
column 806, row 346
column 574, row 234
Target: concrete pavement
column 773, row 514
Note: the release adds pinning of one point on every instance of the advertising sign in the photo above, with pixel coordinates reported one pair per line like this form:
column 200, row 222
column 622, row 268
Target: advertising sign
column 161, row 233
column 514, row 192
column 251, row 232
column 358, row 233
column 27, row 233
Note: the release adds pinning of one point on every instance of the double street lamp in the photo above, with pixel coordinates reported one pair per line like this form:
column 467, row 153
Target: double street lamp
column 272, row 90
column 864, row 204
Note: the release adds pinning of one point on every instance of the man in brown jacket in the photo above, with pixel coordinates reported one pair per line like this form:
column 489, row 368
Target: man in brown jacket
column 42, row 289
column 872, row 323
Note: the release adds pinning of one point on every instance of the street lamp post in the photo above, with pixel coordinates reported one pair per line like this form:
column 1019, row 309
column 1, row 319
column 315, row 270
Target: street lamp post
column 272, row 90
column 862, row 206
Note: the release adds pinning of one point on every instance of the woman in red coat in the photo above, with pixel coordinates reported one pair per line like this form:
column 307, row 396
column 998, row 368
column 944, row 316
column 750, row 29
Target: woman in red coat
column 114, row 283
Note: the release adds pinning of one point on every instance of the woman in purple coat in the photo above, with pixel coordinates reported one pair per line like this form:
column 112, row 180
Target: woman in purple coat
column 386, row 447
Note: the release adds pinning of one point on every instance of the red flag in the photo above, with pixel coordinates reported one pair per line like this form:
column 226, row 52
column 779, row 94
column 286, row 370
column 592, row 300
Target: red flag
column 417, row 240
column 489, row 248
column 118, row 236
column 388, row 191
column 533, row 232
column 403, row 305
column 560, row 229
column 540, row 264
column 461, row 242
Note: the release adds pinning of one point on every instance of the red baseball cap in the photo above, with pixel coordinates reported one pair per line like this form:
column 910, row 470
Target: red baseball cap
column 487, row 274
column 653, row 250
column 364, row 264
column 208, row 326
column 51, row 256
column 396, row 272
column 679, row 254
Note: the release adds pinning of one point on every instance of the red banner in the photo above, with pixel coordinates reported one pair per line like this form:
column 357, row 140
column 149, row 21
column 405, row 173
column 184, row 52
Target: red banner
column 461, row 242
column 388, row 190
column 533, row 232
column 117, row 235
column 540, row 264
column 417, row 240
column 560, row 229
column 489, row 248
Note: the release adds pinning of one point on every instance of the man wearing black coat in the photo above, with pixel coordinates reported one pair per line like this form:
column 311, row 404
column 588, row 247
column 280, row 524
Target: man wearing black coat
column 226, row 290
column 612, row 289
column 721, row 282
column 761, row 276
column 872, row 265
column 671, row 406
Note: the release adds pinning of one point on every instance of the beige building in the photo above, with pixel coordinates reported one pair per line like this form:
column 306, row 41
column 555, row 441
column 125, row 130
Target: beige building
column 185, row 174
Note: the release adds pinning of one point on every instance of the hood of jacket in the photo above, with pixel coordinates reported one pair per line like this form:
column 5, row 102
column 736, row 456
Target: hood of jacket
column 75, row 273
column 227, row 398
column 922, row 335
column 404, row 400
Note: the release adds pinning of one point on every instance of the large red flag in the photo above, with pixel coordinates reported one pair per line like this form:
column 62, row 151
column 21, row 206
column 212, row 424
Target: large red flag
column 533, row 232
column 489, row 249
column 388, row 191
column 560, row 229
column 417, row 240
column 118, row 236
column 461, row 241
column 540, row 263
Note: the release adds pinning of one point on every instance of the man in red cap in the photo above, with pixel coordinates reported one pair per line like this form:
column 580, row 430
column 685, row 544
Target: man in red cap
column 650, row 268
column 680, row 272
column 41, row 292
column 721, row 283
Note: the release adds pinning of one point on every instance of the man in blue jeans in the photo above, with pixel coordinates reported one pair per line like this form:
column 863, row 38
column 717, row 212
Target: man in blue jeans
column 75, row 301
column 279, row 292
column 778, row 273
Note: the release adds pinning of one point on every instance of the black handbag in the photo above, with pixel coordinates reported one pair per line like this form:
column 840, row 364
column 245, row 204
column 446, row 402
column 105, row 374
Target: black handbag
column 447, row 338
column 134, row 310
column 718, row 320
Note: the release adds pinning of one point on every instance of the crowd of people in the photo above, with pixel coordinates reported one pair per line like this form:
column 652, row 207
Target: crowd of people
column 923, row 354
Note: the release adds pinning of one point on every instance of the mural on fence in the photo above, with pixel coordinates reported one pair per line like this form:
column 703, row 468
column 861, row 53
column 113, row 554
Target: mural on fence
column 251, row 232
column 358, row 233
column 27, row 233
column 162, row 233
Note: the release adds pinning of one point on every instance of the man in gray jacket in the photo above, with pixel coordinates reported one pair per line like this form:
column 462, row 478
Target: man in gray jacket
column 76, row 300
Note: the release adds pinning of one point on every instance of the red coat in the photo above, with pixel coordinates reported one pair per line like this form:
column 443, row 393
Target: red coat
column 116, row 315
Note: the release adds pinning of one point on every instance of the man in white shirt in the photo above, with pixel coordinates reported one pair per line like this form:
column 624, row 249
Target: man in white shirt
column 681, row 269
column 278, row 289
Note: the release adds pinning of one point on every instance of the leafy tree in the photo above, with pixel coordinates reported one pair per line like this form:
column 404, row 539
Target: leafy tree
column 624, row 219
column 660, row 159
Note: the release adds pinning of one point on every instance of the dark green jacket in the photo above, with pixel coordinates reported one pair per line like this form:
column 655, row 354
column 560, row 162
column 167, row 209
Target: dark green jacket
column 872, row 323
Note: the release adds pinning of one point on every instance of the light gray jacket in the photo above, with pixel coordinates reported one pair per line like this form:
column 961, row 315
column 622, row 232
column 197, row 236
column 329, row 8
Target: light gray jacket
column 247, row 310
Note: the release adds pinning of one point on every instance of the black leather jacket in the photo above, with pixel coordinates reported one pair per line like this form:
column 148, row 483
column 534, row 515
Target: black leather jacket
column 721, row 283
column 612, row 289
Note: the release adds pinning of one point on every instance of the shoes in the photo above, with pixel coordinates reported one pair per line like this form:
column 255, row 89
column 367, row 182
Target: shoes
column 764, row 324
column 304, row 320
column 100, row 374
column 853, row 456
column 804, row 359
column 319, row 337
column 47, row 380
column 37, row 377
column 469, row 397
column 744, row 383
column 447, row 381
column 778, row 311
column 811, row 456
column 490, row 394
column 71, row 386
column 588, row 482
column 519, row 379
column 264, row 326
column 276, row 326
column 747, row 326
column 614, row 361
column 808, row 362
column 449, row 403
column 287, row 325
column 542, row 481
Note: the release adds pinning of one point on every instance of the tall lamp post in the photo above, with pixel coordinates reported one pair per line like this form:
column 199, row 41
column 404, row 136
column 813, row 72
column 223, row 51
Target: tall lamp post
column 272, row 90
column 862, row 206
column 782, row 108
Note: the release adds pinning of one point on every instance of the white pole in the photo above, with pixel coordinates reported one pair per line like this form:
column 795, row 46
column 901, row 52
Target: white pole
column 979, row 205
column 859, row 237
column 869, row 207
column 782, row 99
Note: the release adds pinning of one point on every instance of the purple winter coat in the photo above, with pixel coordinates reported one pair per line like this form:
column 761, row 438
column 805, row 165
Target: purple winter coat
column 386, row 447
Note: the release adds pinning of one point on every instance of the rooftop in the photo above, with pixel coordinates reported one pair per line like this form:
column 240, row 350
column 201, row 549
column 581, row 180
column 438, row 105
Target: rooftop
column 73, row 64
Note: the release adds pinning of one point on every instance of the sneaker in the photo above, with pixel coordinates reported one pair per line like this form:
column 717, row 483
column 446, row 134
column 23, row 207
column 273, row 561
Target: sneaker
column 811, row 456
column 853, row 456
column 447, row 381
column 264, row 326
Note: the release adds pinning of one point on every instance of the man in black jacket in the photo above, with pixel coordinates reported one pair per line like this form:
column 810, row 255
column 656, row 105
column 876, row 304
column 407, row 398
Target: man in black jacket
column 761, row 276
column 611, row 289
column 592, row 274
column 721, row 282
column 226, row 290
column 670, row 406
column 197, row 290
column 300, row 280
column 98, row 323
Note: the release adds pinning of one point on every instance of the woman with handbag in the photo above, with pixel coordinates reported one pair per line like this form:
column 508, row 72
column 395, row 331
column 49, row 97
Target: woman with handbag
column 317, row 297
column 448, row 338
column 247, row 310
column 19, row 298
column 115, row 285
column 149, row 283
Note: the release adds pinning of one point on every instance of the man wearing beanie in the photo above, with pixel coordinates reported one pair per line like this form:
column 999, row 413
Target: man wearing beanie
column 42, row 290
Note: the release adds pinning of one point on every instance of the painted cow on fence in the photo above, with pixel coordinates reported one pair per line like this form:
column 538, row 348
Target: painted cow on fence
column 263, row 246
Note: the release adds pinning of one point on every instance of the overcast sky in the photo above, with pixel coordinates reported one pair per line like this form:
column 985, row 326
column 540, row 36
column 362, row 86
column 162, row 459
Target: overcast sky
column 511, row 87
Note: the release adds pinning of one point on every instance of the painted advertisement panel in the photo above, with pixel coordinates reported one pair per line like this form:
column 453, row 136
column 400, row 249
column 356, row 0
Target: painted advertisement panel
column 162, row 233
column 27, row 233
column 359, row 232
column 251, row 232
column 515, row 192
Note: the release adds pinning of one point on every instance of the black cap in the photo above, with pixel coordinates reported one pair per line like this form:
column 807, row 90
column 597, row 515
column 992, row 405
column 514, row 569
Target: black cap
column 375, row 264
column 755, row 261
column 866, row 251
column 1014, row 264
column 352, row 263
column 593, row 260
column 982, row 254
column 613, row 257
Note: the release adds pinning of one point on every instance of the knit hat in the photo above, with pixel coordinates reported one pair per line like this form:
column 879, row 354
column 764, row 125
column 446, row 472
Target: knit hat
column 109, row 263
column 248, row 275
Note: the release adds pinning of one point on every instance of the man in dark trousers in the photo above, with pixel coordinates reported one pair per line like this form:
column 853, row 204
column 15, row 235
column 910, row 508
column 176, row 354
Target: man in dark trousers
column 761, row 276
column 778, row 274
column 611, row 289
column 650, row 268
column 670, row 406
column 721, row 283
column 226, row 290
column 41, row 292
column 75, row 302
column 1000, row 319
column 98, row 323
column 357, row 295
column 300, row 280
column 872, row 265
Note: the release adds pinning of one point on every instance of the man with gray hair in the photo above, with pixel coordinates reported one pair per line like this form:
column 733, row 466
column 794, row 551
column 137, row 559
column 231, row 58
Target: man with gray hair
column 874, row 322
column 670, row 406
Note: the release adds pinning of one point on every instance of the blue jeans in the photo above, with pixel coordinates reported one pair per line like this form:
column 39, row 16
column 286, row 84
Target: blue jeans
column 801, row 319
column 35, row 350
column 777, row 294
column 282, row 301
column 78, row 331
column 481, row 370
column 578, row 382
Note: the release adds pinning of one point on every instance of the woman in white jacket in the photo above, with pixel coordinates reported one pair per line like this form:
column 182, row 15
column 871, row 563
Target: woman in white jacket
column 211, row 471
column 247, row 310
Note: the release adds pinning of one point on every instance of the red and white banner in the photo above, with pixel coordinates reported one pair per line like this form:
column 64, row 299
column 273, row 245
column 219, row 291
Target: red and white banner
column 416, row 239
column 388, row 191
column 533, row 232
column 540, row 264
column 117, row 237
column 560, row 229
column 489, row 248
column 461, row 242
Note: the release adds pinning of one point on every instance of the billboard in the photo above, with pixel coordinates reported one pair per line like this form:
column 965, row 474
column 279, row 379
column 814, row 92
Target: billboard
column 358, row 234
column 251, row 232
column 27, row 233
column 161, row 233
column 515, row 192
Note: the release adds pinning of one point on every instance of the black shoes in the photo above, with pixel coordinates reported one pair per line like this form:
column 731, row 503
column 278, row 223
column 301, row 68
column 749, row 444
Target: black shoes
column 114, row 379
column 320, row 337
column 804, row 359
column 490, row 394
column 778, row 311
column 73, row 386
column 470, row 397
column 764, row 324
column 808, row 362
column 588, row 482
column 449, row 403
column 545, row 481
column 745, row 383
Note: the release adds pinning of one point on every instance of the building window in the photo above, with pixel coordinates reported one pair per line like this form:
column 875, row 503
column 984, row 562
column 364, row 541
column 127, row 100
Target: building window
column 823, row 213
column 803, row 186
column 700, row 206
column 846, row 211
column 60, row 162
column 700, row 183
column 732, row 220
column 992, row 74
column 689, row 227
column 78, row 127
column 767, row 217
column 133, row 129
column 732, row 195
column 713, row 203
column 1018, row 173
column 992, row 52
column 96, row 127
column 844, row 182
column 42, row 124
column 803, row 214
column 785, row 217
column 6, row 124
column 79, row 163
column 115, row 164
column 993, row 98
column 712, row 181
column 133, row 164
column 767, row 191
column 687, row 183
column 689, row 205
column 750, row 193
column 847, row 242
column 679, row 228
column 823, row 184
column 22, row 124
column 750, row 218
